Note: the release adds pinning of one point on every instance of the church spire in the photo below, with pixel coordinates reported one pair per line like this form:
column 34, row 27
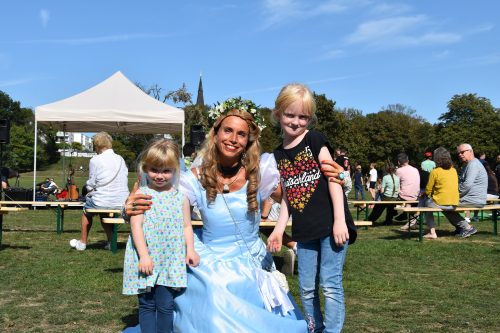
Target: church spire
column 200, row 100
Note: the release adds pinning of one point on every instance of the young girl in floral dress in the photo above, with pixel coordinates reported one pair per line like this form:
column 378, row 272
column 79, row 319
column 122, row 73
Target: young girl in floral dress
column 162, row 240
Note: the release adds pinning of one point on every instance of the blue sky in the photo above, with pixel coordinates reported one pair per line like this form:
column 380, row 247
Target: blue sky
column 363, row 54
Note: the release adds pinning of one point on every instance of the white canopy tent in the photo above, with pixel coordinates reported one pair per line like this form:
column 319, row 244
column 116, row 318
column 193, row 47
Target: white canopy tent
column 116, row 105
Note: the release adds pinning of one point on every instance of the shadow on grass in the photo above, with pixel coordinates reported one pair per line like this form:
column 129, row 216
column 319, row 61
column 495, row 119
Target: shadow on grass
column 114, row 270
column 14, row 247
column 130, row 320
column 38, row 230
column 400, row 234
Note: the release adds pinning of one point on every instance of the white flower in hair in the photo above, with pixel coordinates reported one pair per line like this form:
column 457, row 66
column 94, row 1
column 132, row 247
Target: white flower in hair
column 236, row 103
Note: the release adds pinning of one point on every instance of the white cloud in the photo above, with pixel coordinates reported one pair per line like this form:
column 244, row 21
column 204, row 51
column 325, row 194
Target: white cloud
column 329, row 55
column 442, row 54
column 278, row 88
column 93, row 40
column 11, row 83
column 402, row 31
column 487, row 59
column 390, row 9
column 481, row 29
column 44, row 17
column 278, row 11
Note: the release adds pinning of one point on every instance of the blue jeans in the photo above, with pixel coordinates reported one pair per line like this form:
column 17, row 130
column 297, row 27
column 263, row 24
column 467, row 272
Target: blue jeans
column 322, row 258
column 359, row 188
column 156, row 310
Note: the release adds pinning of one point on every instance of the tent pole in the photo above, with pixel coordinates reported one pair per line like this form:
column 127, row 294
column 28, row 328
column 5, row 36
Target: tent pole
column 34, row 159
column 182, row 136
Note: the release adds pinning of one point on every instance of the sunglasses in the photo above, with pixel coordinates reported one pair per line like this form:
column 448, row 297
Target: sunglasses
column 463, row 151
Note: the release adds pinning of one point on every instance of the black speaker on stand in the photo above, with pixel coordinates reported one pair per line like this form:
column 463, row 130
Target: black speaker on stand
column 4, row 139
column 4, row 131
column 197, row 135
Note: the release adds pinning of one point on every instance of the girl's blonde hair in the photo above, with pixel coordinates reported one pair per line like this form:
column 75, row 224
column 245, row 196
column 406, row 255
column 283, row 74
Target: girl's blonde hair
column 159, row 154
column 250, row 159
column 291, row 93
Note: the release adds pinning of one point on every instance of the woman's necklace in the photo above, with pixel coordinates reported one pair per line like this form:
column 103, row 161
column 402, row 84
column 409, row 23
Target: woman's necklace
column 225, row 186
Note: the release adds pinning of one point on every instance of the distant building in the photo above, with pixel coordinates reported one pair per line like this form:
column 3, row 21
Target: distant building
column 199, row 99
column 81, row 138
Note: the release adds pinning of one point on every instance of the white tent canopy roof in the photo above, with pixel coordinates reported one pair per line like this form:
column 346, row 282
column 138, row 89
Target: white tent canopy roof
column 115, row 105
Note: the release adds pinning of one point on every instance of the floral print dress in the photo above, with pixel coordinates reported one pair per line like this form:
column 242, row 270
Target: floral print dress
column 163, row 228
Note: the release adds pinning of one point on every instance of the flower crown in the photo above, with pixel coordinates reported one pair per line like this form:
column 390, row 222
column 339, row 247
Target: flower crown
column 236, row 103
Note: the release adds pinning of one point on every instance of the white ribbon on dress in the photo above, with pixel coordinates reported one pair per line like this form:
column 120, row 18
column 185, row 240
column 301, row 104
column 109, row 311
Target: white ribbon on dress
column 272, row 293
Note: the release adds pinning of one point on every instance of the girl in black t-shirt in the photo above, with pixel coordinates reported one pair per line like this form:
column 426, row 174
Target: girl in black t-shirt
column 322, row 224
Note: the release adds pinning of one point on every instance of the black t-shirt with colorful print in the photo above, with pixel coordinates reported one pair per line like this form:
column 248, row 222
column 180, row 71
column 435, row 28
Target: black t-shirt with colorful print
column 306, row 189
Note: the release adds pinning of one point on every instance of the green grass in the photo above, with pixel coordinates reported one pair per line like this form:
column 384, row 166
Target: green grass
column 392, row 283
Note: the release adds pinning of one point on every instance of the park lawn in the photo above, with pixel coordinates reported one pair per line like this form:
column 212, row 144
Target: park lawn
column 393, row 284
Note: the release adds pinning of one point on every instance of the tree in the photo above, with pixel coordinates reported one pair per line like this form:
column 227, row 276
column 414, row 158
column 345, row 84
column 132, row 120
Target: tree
column 470, row 119
column 76, row 146
column 396, row 129
column 19, row 153
column 270, row 137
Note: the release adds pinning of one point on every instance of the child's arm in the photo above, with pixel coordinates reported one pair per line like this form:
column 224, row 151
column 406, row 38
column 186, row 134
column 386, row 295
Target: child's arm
column 275, row 239
column 340, row 232
column 192, row 258
column 145, row 262
column 265, row 209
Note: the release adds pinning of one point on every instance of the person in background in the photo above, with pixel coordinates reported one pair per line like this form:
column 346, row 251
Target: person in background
column 409, row 179
column 270, row 211
column 428, row 164
column 441, row 190
column 492, row 191
column 359, row 183
column 497, row 169
column 49, row 187
column 389, row 192
column 472, row 188
column 107, row 187
column 373, row 180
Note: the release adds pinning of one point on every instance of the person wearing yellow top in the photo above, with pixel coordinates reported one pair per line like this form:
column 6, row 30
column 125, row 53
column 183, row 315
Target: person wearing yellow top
column 441, row 189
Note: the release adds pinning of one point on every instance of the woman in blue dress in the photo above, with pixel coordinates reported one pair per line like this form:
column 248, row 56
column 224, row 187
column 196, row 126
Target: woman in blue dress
column 228, row 291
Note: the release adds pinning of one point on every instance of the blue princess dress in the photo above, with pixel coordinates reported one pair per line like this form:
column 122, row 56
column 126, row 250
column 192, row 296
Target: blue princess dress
column 223, row 293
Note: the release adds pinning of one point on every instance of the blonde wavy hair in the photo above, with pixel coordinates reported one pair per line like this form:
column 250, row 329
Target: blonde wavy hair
column 159, row 154
column 208, row 174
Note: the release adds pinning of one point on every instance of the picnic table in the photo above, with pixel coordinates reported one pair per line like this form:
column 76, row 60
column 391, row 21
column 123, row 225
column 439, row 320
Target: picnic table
column 412, row 211
column 59, row 206
column 117, row 221
column 362, row 205
column 113, row 218
column 4, row 211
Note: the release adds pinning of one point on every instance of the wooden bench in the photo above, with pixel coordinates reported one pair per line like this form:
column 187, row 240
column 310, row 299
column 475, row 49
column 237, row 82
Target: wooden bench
column 113, row 218
column 362, row 205
column 116, row 221
column 4, row 211
column 60, row 207
column 413, row 210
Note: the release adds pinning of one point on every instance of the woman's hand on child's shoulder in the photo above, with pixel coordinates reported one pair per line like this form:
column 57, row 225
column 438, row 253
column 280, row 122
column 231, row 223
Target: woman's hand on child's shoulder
column 332, row 170
column 192, row 258
column 137, row 203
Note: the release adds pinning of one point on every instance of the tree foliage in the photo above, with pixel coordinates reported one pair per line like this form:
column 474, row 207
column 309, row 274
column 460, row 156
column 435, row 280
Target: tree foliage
column 470, row 119
column 374, row 137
